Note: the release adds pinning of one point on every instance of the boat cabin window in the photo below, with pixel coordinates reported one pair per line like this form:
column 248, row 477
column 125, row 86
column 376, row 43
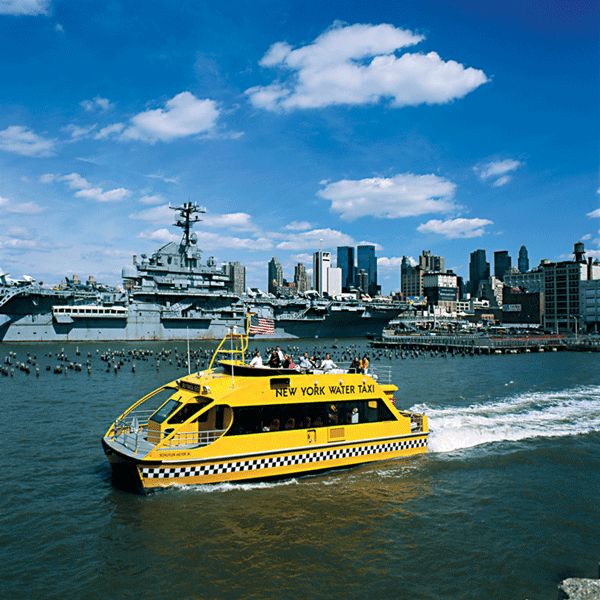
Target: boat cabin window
column 307, row 415
column 187, row 411
column 165, row 410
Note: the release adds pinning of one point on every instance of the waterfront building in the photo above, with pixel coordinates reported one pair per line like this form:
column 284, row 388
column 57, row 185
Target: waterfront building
column 301, row 278
column 345, row 262
column 321, row 264
column 275, row 275
column 491, row 289
column 411, row 279
column 521, row 308
column 441, row 290
column 529, row 281
column 367, row 261
column 502, row 264
column 237, row 274
column 479, row 270
column 523, row 260
column 563, row 308
column 590, row 298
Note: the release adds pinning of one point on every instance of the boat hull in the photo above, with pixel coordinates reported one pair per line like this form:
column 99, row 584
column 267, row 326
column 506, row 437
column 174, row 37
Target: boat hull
column 271, row 465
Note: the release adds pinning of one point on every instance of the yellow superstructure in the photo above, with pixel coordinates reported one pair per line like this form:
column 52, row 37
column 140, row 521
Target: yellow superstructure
column 238, row 422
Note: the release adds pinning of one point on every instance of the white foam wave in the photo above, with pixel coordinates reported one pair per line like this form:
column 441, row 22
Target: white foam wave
column 230, row 486
column 555, row 414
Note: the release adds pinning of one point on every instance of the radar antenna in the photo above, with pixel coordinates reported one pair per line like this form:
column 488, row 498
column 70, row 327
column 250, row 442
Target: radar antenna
column 187, row 217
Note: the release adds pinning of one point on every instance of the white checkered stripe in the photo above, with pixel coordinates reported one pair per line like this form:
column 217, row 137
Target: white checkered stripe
column 278, row 461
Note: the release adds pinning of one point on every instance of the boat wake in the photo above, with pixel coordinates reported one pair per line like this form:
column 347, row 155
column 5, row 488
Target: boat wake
column 554, row 414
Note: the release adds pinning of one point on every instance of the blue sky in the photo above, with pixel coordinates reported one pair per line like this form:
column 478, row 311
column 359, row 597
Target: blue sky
column 443, row 125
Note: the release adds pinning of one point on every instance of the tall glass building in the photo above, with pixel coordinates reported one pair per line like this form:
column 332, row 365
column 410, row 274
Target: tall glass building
column 367, row 261
column 345, row 262
column 479, row 270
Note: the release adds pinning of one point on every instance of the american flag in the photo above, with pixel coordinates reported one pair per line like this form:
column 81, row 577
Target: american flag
column 261, row 326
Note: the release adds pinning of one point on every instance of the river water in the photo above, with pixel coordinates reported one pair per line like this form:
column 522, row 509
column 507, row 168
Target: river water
column 504, row 505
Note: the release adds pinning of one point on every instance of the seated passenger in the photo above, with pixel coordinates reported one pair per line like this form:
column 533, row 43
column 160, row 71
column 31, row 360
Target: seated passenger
column 257, row 360
column 354, row 365
column 305, row 363
column 328, row 364
column 274, row 361
column 364, row 364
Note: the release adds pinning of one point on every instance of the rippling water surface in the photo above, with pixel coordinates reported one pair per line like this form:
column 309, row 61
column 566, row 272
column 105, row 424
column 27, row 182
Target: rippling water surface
column 504, row 505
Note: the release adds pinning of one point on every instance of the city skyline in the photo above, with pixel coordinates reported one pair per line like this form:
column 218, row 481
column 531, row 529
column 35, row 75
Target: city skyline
column 449, row 127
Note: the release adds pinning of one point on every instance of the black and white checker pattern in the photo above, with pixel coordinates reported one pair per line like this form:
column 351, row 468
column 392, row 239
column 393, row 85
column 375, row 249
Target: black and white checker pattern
column 278, row 461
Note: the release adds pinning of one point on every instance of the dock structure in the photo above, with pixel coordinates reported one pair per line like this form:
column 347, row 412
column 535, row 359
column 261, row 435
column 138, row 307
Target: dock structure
column 474, row 344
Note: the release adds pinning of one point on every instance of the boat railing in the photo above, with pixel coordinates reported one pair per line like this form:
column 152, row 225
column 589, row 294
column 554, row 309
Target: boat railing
column 131, row 428
column 380, row 373
column 192, row 439
column 416, row 423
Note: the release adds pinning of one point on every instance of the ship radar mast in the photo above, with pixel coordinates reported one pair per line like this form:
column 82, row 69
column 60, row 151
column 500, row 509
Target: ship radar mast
column 187, row 217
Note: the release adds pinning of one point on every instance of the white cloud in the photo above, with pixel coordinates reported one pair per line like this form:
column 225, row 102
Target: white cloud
column 384, row 262
column 239, row 221
column 594, row 213
column 456, row 228
column 298, row 226
column 357, row 65
column 497, row 170
column 87, row 191
column 210, row 242
column 157, row 214
column 109, row 130
column 405, row 195
column 23, row 141
column 100, row 195
column 79, row 132
column 164, row 214
column 47, row 178
column 156, row 199
column 24, row 7
column 315, row 238
column 182, row 116
column 97, row 103
column 502, row 181
column 25, row 208
column 75, row 181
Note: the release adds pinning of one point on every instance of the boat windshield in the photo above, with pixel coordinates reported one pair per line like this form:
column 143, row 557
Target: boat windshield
column 167, row 409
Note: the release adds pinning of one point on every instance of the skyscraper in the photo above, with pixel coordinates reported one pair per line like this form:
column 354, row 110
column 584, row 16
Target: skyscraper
column 523, row 260
column 345, row 262
column 237, row 273
column 502, row 264
column 367, row 261
column 321, row 264
column 431, row 264
column 479, row 270
column 275, row 276
column 301, row 278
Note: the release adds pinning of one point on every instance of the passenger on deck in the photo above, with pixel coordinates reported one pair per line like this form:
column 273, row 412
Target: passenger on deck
column 288, row 363
column 328, row 364
column 305, row 362
column 354, row 365
column 274, row 361
column 280, row 354
column 257, row 360
column 364, row 364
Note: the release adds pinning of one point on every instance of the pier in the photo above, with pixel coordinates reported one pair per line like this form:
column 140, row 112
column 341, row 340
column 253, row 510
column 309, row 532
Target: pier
column 483, row 344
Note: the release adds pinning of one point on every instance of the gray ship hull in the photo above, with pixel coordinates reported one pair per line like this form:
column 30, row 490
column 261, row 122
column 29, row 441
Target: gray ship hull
column 144, row 322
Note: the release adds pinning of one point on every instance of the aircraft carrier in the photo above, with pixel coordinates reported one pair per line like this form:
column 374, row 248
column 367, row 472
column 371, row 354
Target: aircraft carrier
column 171, row 295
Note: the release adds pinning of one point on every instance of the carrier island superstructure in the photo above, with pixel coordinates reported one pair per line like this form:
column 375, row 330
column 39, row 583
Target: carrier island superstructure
column 171, row 295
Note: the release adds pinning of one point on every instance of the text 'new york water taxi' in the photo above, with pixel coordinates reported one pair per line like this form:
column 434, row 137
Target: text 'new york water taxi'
column 234, row 422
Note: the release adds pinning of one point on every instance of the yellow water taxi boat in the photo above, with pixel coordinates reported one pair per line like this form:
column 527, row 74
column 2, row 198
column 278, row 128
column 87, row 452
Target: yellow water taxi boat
column 234, row 422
